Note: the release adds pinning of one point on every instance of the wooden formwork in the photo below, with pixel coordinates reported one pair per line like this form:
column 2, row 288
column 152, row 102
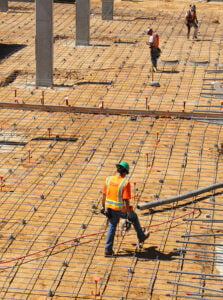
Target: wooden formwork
column 54, row 160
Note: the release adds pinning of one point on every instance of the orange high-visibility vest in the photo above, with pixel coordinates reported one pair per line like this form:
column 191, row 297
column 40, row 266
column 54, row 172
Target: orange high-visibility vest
column 191, row 16
column 114, row 190
column 155, row 42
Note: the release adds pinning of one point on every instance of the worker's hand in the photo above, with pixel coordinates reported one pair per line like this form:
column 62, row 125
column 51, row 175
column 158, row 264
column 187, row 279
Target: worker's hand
column 125, row 225
column 106, row 212
column 102, row 210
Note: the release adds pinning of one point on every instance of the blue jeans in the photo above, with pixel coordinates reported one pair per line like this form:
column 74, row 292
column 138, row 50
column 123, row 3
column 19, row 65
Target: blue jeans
column 115, row 216
column 153, row 53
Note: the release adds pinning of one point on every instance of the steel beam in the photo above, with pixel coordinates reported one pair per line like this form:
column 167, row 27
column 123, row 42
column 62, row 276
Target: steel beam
column 195, row 286
column 200, row 243
column 203, row 220
column 106, row 111
column 196, row 273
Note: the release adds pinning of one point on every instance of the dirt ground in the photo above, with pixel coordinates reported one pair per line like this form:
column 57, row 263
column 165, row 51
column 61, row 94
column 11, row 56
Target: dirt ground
column 58, row 144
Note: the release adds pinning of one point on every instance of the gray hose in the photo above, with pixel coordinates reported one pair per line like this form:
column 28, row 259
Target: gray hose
column 190, row 194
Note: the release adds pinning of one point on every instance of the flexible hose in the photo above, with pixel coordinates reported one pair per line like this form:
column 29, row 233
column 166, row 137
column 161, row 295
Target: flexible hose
column 84, row 236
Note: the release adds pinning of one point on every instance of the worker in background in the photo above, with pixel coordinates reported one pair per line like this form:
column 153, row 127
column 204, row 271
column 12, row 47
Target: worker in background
column 154, row 47
column 191, row 21
column 116, row 203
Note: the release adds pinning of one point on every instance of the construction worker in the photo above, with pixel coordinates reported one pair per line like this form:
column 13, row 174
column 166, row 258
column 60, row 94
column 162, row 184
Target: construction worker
column 115, row 201
column 191, row 21
column 154, row 47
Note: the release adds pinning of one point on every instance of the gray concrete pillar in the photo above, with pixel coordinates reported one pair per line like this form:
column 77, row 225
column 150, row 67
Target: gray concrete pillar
column 82, row 22
column 107, row 9
column 44, row 42
column 3, row 5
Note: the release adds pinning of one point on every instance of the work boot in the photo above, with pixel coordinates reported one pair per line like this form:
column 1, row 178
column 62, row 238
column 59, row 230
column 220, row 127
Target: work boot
column 146, row 235
column 140, row 243
column 109, row 253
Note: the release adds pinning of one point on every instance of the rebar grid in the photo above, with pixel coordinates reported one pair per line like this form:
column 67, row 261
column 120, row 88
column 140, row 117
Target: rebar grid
column 90, row 66
column 149, row 140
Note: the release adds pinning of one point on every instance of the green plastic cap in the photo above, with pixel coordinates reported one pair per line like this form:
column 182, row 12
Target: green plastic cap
column 125, row 165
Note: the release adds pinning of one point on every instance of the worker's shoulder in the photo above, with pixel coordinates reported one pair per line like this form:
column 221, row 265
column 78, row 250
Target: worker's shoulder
column 126, row 181
column 108, row 178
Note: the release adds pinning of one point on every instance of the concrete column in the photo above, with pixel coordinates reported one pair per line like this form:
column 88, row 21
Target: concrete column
column 107, row 9
column 82, row 22
column 44, row 42
column 3, row 5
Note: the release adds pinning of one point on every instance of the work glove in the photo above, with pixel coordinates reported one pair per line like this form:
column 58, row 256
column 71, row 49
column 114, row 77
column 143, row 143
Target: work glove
column 131, row 215
column 105, row 212
column 125, row 225
column 102, row 210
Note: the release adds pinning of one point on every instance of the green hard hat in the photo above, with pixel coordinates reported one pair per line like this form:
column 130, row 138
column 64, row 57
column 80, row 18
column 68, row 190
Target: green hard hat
column 125, row 165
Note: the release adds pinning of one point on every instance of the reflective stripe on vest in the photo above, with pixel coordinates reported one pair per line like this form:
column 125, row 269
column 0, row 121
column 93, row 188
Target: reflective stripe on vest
column 117, row 203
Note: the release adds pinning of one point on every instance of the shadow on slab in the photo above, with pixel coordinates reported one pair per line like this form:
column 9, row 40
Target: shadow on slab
column 7, row 50
column 169, row 72
column 150, row 253
column 99, row 45
column 203, row 40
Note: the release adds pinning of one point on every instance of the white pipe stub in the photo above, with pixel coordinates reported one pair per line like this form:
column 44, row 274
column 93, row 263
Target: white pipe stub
column 155, row 83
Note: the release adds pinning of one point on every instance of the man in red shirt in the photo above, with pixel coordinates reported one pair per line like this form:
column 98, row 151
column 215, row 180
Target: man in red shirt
column 116, row 195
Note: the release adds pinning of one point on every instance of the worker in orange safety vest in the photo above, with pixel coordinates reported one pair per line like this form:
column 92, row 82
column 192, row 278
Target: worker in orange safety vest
column 191, row 21
column 154, row 47
column 116, row 202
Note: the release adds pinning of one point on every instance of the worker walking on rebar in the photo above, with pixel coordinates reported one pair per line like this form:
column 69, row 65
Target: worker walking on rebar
column 154, row 47
column 191, row 21
column 116, row 204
